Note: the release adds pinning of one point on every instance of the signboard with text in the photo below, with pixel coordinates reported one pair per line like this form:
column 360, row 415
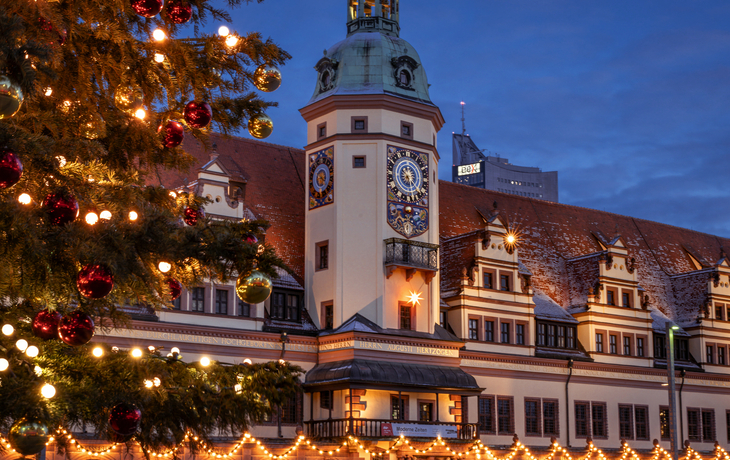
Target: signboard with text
column 419, row 431
column 474, row 168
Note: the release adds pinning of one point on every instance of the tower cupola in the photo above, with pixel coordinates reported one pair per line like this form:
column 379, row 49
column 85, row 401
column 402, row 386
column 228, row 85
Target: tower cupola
column 373, row 16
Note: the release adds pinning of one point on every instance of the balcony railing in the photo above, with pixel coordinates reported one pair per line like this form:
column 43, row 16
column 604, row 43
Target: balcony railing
column 369, row 428
column 413, row 254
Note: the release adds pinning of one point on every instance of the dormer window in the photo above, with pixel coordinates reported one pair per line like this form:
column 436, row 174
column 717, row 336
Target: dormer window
column 404, row 68
column 405, row 78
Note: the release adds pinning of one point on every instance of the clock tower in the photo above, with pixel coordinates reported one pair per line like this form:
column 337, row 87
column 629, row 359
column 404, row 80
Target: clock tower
column 372, row 200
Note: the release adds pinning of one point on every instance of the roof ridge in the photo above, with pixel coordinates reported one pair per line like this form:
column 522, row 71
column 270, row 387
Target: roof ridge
column 252, row 141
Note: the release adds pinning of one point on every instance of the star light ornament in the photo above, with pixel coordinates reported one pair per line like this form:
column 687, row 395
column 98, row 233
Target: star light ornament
column 414, row 298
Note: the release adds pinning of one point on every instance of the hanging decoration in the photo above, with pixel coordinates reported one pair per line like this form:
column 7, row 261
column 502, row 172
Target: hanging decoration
column 147, row 8
column 28, row 436
column 179, row 11
column 128, row 98
column 260, row 126
column 198, row 114
column 253, row 288
column 76, row 328
column 172, row 132
column 192, row 216
column 175, row 288
column 124, row 419
column 95, row 281
column 11, row 169
column 92, row 126
column 45, row 324
column 267, row 78
column 61, row 208
column 251, row 238
column 11, row 97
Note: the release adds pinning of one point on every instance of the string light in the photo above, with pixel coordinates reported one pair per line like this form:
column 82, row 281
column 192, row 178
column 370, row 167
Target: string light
column 91, row 218
column 106, row 215
column 164, row 266
column 223, row 31
column 48, row 391
column 98, row 352
column 32, row 351
column 136, row 353
column 133, row 215
column 24, row 198
column 49, row 91
column 159, row 35
column 8, row 329
column 231, row 41
column 205, row 361
column 140, row 113
column 4, row 364
column 21, row 344
column 159, row 58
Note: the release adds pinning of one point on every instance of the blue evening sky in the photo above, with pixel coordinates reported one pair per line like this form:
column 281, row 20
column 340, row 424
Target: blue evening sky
column 628, row 100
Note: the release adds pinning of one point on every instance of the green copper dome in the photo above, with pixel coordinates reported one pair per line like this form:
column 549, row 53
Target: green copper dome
column 373, row 59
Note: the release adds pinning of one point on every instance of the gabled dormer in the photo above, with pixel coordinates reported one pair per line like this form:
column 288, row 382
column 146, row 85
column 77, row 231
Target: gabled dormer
column 225, row 189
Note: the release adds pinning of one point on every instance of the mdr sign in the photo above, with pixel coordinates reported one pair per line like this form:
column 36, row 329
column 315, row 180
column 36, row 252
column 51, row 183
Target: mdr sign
column 420, row 431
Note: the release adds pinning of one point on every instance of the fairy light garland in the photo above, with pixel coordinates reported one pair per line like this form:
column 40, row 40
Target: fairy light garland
column 720, row 453
column 62, row 432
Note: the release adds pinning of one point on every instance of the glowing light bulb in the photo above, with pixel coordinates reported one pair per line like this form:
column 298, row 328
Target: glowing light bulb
column 173, row 194
column 175, row 350
column 159, row 58
column 4, row 364
column 98, row 352
column 136, row 353
column 32, row 351
column 92, row 218
column 247, row 361
column 8, row 329
column 282, row 362
column 133, row 216
column 49, row 91
column 156, row 381
column 140, row 113
column 61, row 161
column 106, row 215
column 24, row 198
column 151, row 348
column 48, row 391
column 205, row 361
column 231, row 41
column 164, row 266
column 159, row 35
column 148, row 383
column 38, row 371
column 22, row 344
column 223, row 31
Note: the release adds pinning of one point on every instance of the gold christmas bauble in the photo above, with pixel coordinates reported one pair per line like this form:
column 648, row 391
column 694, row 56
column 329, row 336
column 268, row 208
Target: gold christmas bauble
column 11, row 97
column 28, row 437
column 267, row 78
column 260, row 126
column 92, row 126
column 253, row 288
column 128, row 98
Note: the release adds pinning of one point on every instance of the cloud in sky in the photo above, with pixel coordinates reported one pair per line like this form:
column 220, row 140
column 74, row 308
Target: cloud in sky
column 629, row 101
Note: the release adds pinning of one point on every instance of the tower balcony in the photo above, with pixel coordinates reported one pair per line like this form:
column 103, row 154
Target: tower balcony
column 412, row 256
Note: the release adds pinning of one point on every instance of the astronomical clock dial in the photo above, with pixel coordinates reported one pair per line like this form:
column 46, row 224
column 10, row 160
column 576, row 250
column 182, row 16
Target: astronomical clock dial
column 407, row 182
column 321, row 178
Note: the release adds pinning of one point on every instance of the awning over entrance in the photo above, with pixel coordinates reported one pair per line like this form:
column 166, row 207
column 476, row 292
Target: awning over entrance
column 363, row 373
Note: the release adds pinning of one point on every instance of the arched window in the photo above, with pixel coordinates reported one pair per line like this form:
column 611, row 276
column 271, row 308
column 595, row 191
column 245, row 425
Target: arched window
column 404, row 77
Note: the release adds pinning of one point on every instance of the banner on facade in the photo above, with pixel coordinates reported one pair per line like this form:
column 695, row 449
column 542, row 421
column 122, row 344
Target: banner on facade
column 419, row 431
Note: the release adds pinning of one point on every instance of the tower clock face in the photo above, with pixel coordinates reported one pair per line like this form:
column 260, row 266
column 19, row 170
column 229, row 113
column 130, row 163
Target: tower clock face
column 407, row 182
column 321, row 178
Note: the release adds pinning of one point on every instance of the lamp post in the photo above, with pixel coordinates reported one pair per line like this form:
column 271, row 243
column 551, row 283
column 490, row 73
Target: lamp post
column 670, row 328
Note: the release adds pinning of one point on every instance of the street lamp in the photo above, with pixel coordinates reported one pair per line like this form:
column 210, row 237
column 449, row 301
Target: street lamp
column 670, row 327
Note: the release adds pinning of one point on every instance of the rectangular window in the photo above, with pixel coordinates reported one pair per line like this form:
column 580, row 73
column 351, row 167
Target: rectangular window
column 442, row 319
column 328, row 315
column 325, row 399
column 640, row 346
column 221, row 302
column 244, row 308
column 289, row 411
column 627, row 346
column 550, row 418
column 570, row 342
column 504, row 283
column 292, row 307
column 693, row 425
column 721, row 355
column 664, row 422
column 505, row 416
column 359, row 124
column 486, row 414
column 626, row 299
column 520, row 334
column 581, row 420
column 358, row 161
column 532, row 417
column 719, row 312
column 504, row 332
column 425, row 412
column 198, row 299
column 727, row 424
column 561, row 337
column 489, row 331
column 609, row 297
column 405, row 317
column 710, row 353
column 398, row 407
column 321, row 131
column 177, row 303
column 612, row 339
column 406, row 130
column 278, row 301
column 541, row 335
column 551, row 335
column 625, row 422
column 708, row 425
column 641, row 422
column 660, row 347
column 473, row 329
column 322, row 255
column 488, row 281
column 599, row 342
column 598, row 416
column 681, row 349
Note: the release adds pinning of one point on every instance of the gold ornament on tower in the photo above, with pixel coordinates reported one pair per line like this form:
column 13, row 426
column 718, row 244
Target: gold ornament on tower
column 260, row 126
column 128, row 98
column 267, row 78
column 253, row 288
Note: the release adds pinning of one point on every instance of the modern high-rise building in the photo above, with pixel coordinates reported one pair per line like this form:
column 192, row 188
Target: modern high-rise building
column 472, row 167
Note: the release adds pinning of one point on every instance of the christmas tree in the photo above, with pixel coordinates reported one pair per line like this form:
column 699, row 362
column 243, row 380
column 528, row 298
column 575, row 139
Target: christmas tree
column 95, row 98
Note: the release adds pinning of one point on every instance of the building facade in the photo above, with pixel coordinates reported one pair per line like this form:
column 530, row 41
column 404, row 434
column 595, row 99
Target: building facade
column 436, row 320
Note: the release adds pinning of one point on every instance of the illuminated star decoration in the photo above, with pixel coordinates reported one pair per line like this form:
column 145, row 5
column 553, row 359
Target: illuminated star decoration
column 414, row 298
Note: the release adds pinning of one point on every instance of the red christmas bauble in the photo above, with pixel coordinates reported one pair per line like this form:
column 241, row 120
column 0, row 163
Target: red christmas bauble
column 173, row 133
column 179, row 11
column 147, row 8
column 118, row 438
column 10, row 168
column 95, row 281
column 61, row 209
column 192, row 216
column 76, row 328
column 175, row 288
column 251, row 238
column 198, row 114
column 124, row 419
column 45, row 324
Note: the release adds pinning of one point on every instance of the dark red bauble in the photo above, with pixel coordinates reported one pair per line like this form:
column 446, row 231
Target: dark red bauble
column 76, row 328
column 118, row 438
column 173, row 133
column 193, row 215
column 45, row 324
column 61, row 209
column 175, row 288
column 10, row 168
column 198, row 114
column 147, row 8
column 95, row 281
column 251, row 238
column 124, row 419
column 179, row 11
